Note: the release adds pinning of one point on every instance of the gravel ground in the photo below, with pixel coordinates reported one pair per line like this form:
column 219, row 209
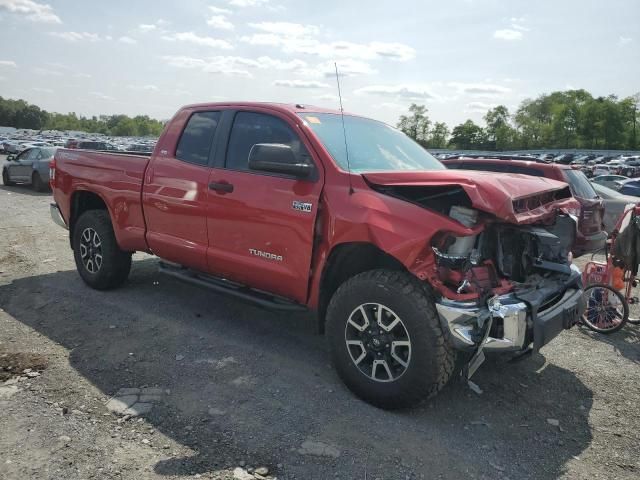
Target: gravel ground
column 209, row 387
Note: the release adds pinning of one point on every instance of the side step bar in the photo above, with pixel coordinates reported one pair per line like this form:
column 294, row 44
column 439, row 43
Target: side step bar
column 243, row 292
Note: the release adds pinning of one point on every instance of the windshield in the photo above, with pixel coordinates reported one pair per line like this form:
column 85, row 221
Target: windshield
column 580, row 185
column 372, row 145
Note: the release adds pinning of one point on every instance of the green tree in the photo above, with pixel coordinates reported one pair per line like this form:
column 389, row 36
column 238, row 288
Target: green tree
column 468, row 136
column 499, row 132
column 416, row 124
column 438, row 136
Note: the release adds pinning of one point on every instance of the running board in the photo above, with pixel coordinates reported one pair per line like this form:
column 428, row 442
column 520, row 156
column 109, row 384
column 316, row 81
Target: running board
column 238, row 290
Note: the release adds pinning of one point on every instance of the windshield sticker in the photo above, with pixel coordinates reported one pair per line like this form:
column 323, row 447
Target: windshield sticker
column 315, row 120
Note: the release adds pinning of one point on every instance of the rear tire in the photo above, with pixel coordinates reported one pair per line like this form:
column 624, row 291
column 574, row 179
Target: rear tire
column 402, row 355
column 37, row 184
column 5, row 178
column 99, row 260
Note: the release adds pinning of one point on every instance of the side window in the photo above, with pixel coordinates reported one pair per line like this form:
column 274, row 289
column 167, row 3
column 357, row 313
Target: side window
column 25, row 155
column 197, row 137
column 251, row 128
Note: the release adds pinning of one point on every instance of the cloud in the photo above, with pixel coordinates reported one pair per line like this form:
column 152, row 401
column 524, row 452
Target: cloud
column 148, row 88
column 220, row 11
column 150, row 27
column 347, row 67
column 479, row 106
column 101, row 96
column 128, row 40
column 8, row 63
column 414, row 92
column 300, row 84
column 286, row 28
column 622, row 41
column 82, row 75
column 147, row 27
column 42, row 90
column 76, row 36
column 46, row 72
column 235, row 66
column 191, row 37
column 480, row 89
column 220, row 22
column 34, row 11
column 508, row 34
column 298, row 38
column 247, row 3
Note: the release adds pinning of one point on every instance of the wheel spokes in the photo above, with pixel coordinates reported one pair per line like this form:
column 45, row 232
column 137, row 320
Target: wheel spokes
column 363, row 350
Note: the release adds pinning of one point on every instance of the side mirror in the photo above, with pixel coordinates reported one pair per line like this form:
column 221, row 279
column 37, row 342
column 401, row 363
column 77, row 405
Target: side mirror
column 277, row 158
column 11, row 158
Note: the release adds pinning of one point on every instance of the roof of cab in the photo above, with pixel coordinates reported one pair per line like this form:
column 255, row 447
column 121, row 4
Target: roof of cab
column 283, row 107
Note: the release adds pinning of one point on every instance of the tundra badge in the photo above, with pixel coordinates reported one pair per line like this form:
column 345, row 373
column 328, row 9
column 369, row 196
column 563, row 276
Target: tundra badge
column 268, row 255
column 302, row 206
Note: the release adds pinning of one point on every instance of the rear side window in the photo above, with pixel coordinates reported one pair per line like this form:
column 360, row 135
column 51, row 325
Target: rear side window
column 580, row 185
column 197, row 137
column 250, row 129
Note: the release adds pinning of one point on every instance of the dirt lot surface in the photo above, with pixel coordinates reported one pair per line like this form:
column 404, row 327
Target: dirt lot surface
column 209, row 387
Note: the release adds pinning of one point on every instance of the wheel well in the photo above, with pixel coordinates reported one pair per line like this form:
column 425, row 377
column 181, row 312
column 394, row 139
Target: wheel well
column 346, row 261
column 81, row 201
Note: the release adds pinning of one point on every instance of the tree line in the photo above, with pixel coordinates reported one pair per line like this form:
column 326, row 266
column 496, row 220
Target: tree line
column 564, row 119
column 21, row 114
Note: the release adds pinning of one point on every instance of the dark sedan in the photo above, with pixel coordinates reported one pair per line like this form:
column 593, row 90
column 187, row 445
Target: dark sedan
column 630, row 187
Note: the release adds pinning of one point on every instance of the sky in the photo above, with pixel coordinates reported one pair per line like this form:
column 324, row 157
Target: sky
column 457, row 57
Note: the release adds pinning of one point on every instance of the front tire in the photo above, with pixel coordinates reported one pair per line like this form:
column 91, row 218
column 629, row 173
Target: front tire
column 5, row 178
column 99, row 260
column 386, row 341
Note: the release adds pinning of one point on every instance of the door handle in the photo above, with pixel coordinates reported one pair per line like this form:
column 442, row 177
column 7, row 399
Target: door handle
column 222, row 187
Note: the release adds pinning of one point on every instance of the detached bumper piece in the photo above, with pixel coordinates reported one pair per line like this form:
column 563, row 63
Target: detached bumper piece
column 535, row 315
column 56, row 216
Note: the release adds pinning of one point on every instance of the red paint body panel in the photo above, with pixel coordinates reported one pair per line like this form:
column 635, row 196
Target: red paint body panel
column 488, row 192
column 164, row 205
column 117, row 179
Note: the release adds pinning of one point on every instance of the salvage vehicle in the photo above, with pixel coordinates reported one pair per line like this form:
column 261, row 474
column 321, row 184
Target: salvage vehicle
column 588, row 207
column 414, row 270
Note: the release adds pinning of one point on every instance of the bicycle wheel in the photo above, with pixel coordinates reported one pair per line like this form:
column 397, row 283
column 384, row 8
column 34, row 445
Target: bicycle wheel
column 606, row 308
column 632, row 296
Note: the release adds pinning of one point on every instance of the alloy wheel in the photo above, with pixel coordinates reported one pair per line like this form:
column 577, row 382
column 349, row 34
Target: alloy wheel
column 378, row 342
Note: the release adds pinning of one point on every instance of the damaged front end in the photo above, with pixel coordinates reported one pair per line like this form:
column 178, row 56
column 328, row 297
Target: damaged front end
column 515, row 287
column 501, row 270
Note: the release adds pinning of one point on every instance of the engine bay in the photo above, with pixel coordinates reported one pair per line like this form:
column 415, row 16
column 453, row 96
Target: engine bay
column 503, row 256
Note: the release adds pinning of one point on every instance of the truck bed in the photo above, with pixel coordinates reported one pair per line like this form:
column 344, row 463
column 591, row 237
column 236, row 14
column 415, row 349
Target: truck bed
column 114, row 177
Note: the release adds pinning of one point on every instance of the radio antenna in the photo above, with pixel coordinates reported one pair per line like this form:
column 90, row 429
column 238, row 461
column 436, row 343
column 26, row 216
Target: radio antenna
column 344, row 130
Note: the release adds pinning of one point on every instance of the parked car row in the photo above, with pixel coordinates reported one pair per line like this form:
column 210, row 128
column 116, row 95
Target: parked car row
column 18, row 142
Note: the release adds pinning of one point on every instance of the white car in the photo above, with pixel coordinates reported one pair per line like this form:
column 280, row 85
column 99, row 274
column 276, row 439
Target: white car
column 610, row 181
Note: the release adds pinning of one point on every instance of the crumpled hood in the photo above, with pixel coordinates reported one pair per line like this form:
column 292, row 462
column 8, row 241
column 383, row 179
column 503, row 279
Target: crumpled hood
column 514, row 198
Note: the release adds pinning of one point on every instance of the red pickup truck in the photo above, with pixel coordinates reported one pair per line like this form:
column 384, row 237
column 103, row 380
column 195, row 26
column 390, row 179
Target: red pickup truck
column 413, row 269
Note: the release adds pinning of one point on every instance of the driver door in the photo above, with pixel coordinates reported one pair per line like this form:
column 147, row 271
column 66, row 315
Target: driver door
column 20, row 168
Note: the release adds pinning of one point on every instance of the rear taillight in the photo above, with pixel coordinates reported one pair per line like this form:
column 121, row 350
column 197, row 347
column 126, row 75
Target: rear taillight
column 52, row 172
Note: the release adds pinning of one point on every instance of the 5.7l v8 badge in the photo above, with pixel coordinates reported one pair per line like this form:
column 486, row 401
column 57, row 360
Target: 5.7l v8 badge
column 302, row 206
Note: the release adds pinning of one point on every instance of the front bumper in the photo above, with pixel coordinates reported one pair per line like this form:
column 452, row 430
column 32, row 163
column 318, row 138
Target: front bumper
column 56, row 216
column 519, row 319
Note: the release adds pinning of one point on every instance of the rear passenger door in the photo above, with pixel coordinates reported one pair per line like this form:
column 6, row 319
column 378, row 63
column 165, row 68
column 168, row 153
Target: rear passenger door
column 261, row 225
column 175, row 192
